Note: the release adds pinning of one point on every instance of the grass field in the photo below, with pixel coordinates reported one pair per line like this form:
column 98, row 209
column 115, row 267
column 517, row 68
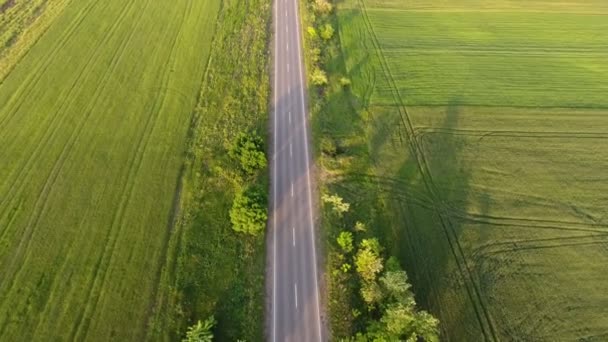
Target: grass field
column 217, row 271
column 480, row 138
column 93, row 129
column 22, row 23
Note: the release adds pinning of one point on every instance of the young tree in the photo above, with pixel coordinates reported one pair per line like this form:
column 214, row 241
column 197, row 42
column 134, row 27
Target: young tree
column 371, row 293
column 368, row 261
column 396, row 285
column 322, row 7
column 200, row 331
column 345, row 241
column 248, row 213
column 337, row 203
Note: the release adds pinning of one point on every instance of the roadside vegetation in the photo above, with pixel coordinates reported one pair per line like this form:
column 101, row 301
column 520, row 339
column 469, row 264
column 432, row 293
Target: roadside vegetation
column 370, row 298
column 218, row 241
column 466, row 137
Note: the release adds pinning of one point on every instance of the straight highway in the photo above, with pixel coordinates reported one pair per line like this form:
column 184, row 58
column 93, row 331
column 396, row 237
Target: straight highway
column 294, row 308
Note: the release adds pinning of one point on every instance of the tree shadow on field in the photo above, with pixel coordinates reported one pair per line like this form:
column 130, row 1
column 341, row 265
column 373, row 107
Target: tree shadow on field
column 429, row 193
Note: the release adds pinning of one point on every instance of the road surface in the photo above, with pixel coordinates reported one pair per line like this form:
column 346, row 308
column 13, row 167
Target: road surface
column 294, row 304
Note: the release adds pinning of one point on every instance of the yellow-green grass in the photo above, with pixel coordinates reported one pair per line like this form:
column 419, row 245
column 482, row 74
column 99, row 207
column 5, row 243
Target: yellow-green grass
column 93, row 127
column 22, row 22
column 485, row 127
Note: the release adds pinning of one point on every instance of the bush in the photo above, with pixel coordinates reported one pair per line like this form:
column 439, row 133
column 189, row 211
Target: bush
column 249, row 213
column 315, row 55
column 345, row 82
column 312, row 33
column 248, row 151
column 318, row 77
column 337, row 203
column 328, row 147
column 327, row 32
column 345, row 241
column 200, row 331
column 322, row 7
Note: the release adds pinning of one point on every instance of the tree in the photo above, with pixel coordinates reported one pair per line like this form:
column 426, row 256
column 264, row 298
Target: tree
column 318, row 77
column 337, row 203
column 345, row 241
column 426, row 326
column 400, row 320
column 368, row 261
column 371, row 293
column 396, row 285
column 322, row 7
column 327, row 32
column 200, row 331
column 248, row 213
column 248, row 150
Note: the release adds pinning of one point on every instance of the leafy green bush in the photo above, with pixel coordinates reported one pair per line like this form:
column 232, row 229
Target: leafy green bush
column 345, row 241
column 327, row 31
column 318, row 77
column 201, row 331
column 249, row 213
column 312, row 32
column 322, row 7
column 337, row 203
column 248, row 151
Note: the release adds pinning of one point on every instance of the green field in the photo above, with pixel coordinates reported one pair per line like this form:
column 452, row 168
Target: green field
column 480, row 137
column 93, row 129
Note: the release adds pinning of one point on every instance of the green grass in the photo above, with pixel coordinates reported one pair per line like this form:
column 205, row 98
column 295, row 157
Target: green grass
column 21, row 25
column 216, row 270
column 494, row 59
column 473, row 140
column 93, row 127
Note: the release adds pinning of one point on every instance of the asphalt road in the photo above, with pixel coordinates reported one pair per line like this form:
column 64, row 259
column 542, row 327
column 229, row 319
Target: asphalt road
column 294, row 309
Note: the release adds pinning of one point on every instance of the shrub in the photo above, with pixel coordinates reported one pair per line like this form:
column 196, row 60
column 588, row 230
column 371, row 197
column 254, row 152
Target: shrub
column 315, row 55
column 337, row 203
column 328, row 147
column 200, row 331
column 318, row 77
column 344, row 82
column 345, row 241
column 322, row 7
column 312, row 33
column 249, row 213
column 327, row 32
column 248, row 151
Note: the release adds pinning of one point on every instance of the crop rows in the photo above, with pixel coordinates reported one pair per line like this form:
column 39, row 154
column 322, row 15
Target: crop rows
column 93, row 131
column 487, row 130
